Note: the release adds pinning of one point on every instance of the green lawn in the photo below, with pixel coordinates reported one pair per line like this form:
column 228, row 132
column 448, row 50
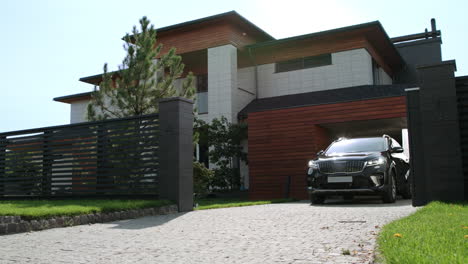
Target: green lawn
column 34, row 209
column 437, row 233
column 224, row 203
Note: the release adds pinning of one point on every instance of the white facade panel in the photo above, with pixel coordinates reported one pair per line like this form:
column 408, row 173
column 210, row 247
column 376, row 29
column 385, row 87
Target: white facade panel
column 222, row 83
column 348, row 68
column 78, row 111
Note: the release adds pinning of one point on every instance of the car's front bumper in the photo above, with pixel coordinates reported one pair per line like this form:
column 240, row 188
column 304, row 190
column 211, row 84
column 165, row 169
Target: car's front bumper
column 361, row 183
column 357, row 191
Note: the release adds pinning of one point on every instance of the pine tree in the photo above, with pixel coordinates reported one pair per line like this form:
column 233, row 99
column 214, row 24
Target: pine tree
column 137, row 86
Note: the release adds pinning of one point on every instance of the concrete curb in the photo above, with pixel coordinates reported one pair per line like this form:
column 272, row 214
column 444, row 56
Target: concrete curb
column 15, row 224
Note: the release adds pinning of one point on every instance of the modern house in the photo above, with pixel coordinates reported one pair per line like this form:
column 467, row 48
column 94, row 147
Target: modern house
column 296, row 94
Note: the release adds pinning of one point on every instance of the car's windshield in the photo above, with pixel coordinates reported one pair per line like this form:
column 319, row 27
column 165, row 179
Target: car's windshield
column 357, row 145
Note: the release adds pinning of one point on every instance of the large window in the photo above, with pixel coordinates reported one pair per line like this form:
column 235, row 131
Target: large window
column 376, row 73
column 304, row 63
column 202, row 83
column 202, row 93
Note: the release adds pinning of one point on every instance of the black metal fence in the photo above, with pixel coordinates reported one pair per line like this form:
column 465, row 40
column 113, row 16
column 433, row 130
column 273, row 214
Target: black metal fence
column 462, row 96
column 118, row 157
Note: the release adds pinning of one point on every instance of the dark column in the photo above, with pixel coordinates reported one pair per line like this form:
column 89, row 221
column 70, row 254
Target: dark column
column 439, row 132
column 418, row 182
column 176, row 151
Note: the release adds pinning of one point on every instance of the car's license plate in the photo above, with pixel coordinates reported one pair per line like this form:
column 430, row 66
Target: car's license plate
column 340, row 179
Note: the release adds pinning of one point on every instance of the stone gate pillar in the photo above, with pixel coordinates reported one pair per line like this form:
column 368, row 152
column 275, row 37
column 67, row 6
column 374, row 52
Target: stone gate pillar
column 176, row 151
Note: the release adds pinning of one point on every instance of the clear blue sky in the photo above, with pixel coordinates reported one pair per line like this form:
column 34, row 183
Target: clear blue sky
column 48, row 45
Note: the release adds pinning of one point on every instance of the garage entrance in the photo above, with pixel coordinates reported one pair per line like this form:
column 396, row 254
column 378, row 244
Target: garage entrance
column 282, row 140
column 394, row 127
column 368, row 128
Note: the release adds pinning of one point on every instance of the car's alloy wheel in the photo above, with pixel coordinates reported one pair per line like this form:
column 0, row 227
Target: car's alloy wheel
column 393, row 188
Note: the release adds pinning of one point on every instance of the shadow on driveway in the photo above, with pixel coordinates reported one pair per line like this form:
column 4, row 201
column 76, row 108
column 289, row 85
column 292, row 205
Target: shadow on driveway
column 145, row 222
column 364, row 201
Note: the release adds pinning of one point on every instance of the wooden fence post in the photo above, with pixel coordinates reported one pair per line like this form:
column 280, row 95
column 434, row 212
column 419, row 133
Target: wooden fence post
column 100, row 178
column 46, row 165
column 3, row 145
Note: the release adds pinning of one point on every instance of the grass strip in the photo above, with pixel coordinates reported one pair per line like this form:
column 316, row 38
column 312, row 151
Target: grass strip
column 436, row 233
column 37, row 209
column 215, row 203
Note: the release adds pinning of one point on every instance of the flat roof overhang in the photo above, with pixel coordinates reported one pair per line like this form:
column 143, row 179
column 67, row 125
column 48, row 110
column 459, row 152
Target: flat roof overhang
column 332, row 96
column 370, row 36
column 73, row 97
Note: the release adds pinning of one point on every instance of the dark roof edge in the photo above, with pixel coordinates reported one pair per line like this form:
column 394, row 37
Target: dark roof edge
column 66, row 98
column 89, row 78
column 461, row 78
column 245, row 111
column 391, row 43
column 240, row 115
column 200, row 20
column 417, row 42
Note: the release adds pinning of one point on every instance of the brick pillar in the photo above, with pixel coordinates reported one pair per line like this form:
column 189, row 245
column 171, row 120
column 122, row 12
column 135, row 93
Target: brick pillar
column 176, row 151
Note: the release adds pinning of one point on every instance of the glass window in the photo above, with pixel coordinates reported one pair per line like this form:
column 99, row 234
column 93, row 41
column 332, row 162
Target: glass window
column 202, row 93
column 202, row 83
column 317, row 61
column 290, row 65
column 357, row 145
column 304, row 63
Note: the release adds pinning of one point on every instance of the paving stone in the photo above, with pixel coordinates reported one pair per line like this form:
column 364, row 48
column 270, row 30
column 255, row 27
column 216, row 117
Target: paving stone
column 275, row 233
column 3, row 229
column 12, row 227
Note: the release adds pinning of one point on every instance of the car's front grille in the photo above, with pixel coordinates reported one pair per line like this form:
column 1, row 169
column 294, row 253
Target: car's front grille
column 336, row 166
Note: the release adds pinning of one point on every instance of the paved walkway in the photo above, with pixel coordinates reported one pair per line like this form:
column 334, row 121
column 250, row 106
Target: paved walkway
column 277, row 233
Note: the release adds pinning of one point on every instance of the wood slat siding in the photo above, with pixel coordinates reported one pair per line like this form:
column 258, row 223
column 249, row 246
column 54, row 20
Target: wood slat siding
column 282, row 141
column 200, row 37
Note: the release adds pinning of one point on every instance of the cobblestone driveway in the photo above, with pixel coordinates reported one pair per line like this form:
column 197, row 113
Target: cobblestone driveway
column 277, row 233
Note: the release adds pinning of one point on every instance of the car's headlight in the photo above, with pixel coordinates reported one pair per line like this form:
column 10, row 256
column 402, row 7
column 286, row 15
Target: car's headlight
column 375, row 162
column 312, row 164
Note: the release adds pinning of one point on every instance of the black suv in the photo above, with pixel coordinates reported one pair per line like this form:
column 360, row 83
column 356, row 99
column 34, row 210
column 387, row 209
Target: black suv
column 359, row 166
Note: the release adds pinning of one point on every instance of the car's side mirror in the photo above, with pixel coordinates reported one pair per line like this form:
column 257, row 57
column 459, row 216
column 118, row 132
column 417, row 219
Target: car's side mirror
column 320, row 153
column 397, row 150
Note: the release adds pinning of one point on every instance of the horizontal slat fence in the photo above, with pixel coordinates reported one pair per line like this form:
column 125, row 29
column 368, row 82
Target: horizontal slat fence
column 111, row 157
column 462, row 95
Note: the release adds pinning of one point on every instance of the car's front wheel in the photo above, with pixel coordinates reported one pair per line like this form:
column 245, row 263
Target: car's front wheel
column 389, row 195
column 406, row 193
column 317, row 199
